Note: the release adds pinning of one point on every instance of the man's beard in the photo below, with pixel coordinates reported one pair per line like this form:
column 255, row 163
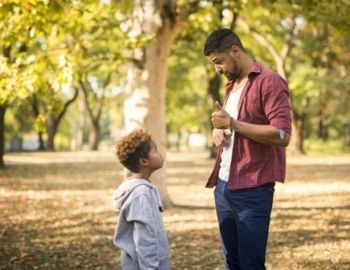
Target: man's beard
column 231, row 76
column 234, row 74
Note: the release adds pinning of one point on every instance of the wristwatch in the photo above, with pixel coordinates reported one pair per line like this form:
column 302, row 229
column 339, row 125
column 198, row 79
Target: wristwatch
column 282, row 134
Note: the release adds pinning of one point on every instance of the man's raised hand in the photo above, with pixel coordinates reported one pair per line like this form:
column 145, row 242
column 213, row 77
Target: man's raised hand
column 220, row 118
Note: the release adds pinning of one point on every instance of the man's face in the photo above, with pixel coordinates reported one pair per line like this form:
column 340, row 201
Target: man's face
column 226, row 63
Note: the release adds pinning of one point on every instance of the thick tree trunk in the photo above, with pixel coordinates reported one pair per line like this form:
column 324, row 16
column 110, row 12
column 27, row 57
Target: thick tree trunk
column 145, row 97
column 2, row 135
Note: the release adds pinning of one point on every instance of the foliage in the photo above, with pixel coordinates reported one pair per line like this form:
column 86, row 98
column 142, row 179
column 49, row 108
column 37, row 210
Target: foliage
column 316, row 76
column 22, row 23
column 49, row 45
column 331, row 146
column 188, row 108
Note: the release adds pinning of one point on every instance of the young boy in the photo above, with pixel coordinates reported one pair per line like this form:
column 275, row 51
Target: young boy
column 140, row 232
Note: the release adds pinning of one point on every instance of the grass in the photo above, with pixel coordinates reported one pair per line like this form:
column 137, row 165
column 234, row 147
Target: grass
column 55, row 213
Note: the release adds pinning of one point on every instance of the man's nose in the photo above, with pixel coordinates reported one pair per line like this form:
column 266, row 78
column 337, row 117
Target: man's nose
column 218, row 69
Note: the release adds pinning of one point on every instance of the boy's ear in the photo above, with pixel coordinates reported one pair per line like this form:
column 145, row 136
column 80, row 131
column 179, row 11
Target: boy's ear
column 143, row 162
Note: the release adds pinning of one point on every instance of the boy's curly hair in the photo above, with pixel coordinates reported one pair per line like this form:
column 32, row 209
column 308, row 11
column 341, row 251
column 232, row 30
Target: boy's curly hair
column 132, row 147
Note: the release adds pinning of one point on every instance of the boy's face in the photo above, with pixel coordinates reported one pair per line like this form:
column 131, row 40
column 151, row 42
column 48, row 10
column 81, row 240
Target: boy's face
column 155, row 157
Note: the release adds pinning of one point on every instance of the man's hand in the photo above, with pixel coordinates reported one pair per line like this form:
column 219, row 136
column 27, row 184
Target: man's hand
column 221, row 118
column 221, row 137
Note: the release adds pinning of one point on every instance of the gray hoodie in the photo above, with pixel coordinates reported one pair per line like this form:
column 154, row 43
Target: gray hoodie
column 140, row 232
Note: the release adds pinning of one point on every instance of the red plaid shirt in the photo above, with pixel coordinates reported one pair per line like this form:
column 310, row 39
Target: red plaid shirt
column 264, row 101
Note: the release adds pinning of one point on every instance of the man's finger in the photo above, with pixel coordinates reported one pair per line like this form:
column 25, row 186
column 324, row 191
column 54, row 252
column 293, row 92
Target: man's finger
column 218, row 106
column 227, row 132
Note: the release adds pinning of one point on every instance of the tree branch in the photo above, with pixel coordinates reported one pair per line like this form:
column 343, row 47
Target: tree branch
column 83, row 90
column 259, row 37
column 66, row 105
column 289, row 38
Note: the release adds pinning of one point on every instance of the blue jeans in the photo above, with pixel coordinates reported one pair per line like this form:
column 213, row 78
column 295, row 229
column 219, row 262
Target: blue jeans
column 244, row 219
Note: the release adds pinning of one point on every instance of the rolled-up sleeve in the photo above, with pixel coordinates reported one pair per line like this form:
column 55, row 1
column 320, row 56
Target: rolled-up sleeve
column 276, row 103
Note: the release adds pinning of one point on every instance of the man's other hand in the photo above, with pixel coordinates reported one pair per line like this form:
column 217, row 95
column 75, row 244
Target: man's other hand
column 221, row 137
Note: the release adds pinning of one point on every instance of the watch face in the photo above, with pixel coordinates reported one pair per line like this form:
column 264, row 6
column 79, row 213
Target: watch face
column 282, row 134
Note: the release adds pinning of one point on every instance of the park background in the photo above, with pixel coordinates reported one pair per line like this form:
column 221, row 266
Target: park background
column 76, row 75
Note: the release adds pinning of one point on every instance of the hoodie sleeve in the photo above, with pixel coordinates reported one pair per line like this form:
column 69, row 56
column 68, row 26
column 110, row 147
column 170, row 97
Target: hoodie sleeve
column 144, row 234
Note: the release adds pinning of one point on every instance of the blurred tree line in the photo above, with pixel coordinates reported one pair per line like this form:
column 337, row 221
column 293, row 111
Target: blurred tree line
column 75, row 72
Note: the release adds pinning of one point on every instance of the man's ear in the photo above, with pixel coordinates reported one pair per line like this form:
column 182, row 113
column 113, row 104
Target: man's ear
column 143, row 162
column 234, row 50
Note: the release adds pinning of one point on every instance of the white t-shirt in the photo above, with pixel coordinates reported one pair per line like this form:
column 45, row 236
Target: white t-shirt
column 231, row 107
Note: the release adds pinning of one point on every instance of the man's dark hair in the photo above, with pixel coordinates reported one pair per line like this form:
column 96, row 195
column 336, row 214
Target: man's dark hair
column 220, row 40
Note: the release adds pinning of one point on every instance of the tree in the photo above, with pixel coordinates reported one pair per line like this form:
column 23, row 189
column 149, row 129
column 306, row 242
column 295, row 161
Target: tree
column 2, row 134
column 22, row 22
column 190, row 66
column 288, row 31
column 97, row 53
column 146, row 79
column 280, row 57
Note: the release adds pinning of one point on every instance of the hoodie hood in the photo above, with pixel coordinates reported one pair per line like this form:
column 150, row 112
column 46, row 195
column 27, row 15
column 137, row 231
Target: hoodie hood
column 125, row 189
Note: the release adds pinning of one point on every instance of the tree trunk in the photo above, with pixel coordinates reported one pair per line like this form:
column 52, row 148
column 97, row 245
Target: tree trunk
column 41, row 141
column 322, row 130
column 53, row 121
column 2, row 135
column 214, row 94
column 94, row 135
column 144, row 104
column 78, row 130
column 36, row 112
column 51, row 132
column 346, row 132
column 93, row 111
column 178, row 140
column 298, row 137
column 214, row 88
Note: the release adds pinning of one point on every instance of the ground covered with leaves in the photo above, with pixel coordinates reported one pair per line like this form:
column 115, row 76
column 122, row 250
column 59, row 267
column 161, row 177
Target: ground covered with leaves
column 56, row 213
